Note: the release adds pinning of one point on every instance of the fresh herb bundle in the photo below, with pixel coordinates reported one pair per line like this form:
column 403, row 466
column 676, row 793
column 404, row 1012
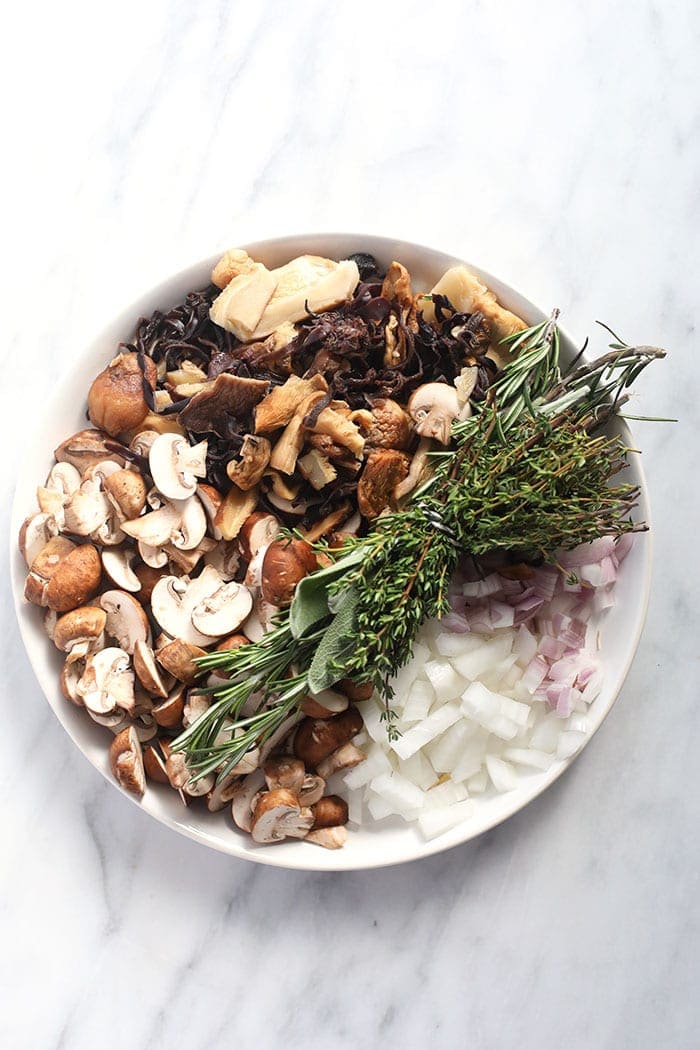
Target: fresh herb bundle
column 526, row 474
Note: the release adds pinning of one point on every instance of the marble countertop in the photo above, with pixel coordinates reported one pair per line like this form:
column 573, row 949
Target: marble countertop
column 557, row 148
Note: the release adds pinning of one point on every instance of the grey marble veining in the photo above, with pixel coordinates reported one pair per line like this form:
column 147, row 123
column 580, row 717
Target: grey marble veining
column 556, row 146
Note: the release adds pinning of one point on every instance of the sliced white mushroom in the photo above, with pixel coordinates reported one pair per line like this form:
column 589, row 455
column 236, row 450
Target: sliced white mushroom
column 147, row 670
column 154, row 557
column 175, row 465
column 192, row 526
column 117, row 563
column 107, row 682
column 177, row 601
column 224, row 557
column 126, row 619
column 64, row 477
column 34, row 535
column 87, row 510
column 329, row 838
column 142, row 443
column 241, row 808
column 278, row 815
column 433, row 408
column 156, row 528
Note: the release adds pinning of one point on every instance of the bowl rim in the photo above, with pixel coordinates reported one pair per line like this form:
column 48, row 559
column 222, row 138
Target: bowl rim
column 340, row 860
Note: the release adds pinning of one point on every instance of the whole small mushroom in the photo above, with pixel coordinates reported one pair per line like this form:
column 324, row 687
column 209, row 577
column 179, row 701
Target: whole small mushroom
column 329, row 812
column 64, row 576
column 116, row 401
column 284, row 771
column 286, row 562
column 433, row 408
column 317, row 738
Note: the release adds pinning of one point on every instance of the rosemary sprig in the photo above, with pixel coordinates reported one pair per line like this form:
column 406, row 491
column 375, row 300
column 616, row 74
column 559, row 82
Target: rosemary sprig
column 526, row 473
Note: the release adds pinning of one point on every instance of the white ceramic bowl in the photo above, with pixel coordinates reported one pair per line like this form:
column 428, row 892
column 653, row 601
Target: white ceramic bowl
column 390, row 841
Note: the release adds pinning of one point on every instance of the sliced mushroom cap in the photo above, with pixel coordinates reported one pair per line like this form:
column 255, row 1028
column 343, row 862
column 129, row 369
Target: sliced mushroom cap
column 187, row 560
column 154, row 529
column 117, row 563
column 79, row 629
column 181, row 777
column 126, row 619
column 107, row 682
column 71, row 673
column 278, row 815
column 345, row 757
column 126, row 491
column 175, row 465
column 311, row 790
column 433, row 408
column 178, row 656
column 223, row 611
column 325, row 704
column 284, row 771
column 153, row 557
column 242, row 798
column 317, row 738
column 147, row 670
column 88, row 509
column 192, row 526
column 33, row 536
column 224, row 557
column 210, row 498
column 85, row 449
column 148, row 577
column 329, row 838
column 330, row 812
column 126, row 761
column 259, row 530
column 154, row 764
column 169, row 713
column 64, row 478
column 177, row 602
column 222, row 793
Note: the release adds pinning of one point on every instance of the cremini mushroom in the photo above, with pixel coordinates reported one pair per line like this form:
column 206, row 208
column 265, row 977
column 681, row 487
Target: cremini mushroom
column 312, row 789
column 329, row 838
column 178, row 656
column 258, row 530
column 126, row 491
column 154, row 763
column 224, row 557
column 211, row 499
column 116, row 400
column 85, row 449
column 330, row 812
column 79, row 632
column 126, row 619
column 192, row 526
column 187, row 560
column 63, row 576
column 187, row 609
column 433, row 408
column 284, row 771
column 181, row 777
column 147, row 670
column 126, row 761
column 117, row 563
column 345, row 757
column 34, row 534
column 317, row 738
column 175, row 465
column 278, row 815
column 107, row 682
column 170, row 711
column 242, row 798
column 325, row 704
column 88, row 509
column 71, row 673
column 285, row 563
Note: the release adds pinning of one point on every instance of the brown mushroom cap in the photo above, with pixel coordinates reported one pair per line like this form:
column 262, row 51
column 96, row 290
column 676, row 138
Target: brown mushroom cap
column 286, row 562
column 154, row 764
column 169, row 713
column 76, row 579
column 86, row 449
column 284, row 771
column 147, row 670
column 317, row 738
column 329, row 812
column 346, row 757
column 115, row 400
column 258, row 530
column 127, row 492
column 79, row 625
column 148, row 577
column 178, row 658
column 325, row 704
column 278, row 815
column 329, row 838
column 354, row 691
column 126, row 761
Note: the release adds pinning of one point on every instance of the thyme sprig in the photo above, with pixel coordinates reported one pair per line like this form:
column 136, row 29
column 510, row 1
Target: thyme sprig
column 527, row 473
